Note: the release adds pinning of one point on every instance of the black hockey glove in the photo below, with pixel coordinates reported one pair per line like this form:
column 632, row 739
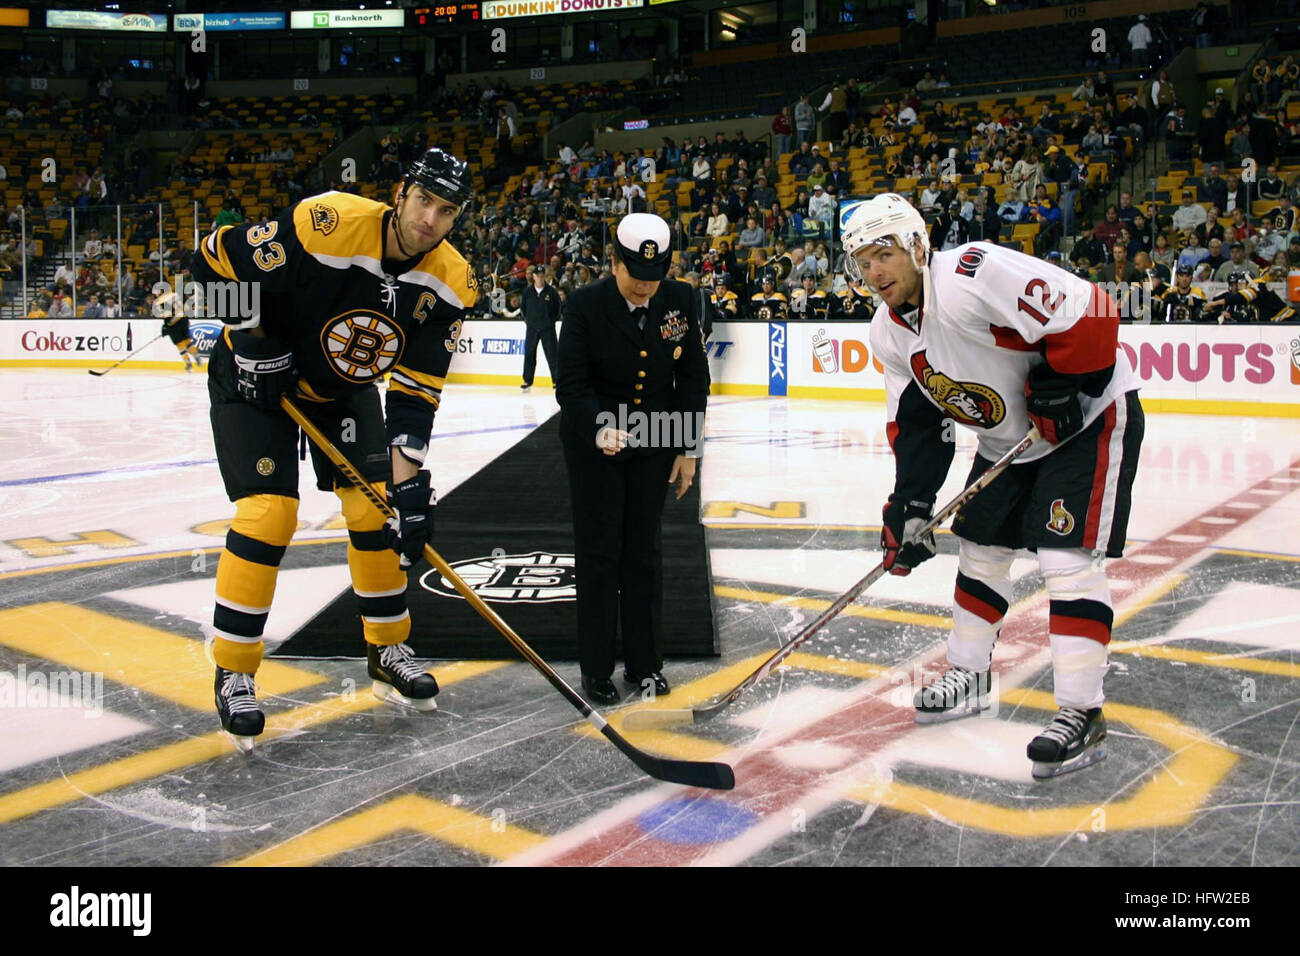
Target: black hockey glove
column 903, row 519
column 166, row 327
column 412, row 528
column 1052, row 400
column 263, row 369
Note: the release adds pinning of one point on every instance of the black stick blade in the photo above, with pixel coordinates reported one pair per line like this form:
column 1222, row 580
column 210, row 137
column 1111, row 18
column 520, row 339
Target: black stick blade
column 689, row 773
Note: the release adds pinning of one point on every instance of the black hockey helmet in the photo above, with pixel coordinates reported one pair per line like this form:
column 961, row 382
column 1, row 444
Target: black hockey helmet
column 1238, row 276
column 443, row 175
column 1183, row 270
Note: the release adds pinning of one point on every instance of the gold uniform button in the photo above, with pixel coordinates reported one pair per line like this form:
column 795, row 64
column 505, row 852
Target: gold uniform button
column 641, row 374
column 639, row 386
column 636, row 401
column 644, row 353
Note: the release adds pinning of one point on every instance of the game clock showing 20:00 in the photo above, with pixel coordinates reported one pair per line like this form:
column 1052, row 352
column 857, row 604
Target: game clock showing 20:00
column 446, row 13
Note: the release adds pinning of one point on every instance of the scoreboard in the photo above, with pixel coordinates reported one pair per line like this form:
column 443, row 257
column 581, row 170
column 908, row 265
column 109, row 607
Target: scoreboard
column 446, row 13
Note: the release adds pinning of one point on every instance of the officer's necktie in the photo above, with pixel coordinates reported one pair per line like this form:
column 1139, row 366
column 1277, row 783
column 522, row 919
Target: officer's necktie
column 640, row 314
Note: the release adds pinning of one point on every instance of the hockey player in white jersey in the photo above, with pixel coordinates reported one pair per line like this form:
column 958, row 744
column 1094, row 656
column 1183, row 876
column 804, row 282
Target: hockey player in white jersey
column 997, row 340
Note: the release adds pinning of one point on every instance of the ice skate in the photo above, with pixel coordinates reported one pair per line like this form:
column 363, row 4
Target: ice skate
column 958, row 693
column 397, row 677
column 1071, row 741
column 241, row 717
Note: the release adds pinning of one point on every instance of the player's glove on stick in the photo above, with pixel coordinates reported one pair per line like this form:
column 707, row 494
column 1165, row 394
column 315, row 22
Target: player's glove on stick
column 902, row 519
column 412, row 528
column 263, row 369
column 1052, row 401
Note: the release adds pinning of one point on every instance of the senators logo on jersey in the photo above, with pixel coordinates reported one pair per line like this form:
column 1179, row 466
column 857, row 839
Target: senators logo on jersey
column 362, row 345
column 967, row 402
column 1061, row 521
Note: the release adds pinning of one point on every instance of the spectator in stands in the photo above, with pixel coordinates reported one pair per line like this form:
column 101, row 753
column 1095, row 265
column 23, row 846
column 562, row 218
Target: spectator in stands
column 1126, row 211
column 930, row 197
column 1212, row 229
column 752, row 235
column 801, row 162
column 1263, row 137
column 1085, row 91
column 1139, row 40
column 1108, row 229
column 1014, row 210
column 1088, row 249
column 1217, row 257
column 838, row 182
column 94, row 247
column 701, row 171
column 93, row 309
column 64, row 275
column 1271, row 186
column 805, row 120
column 949, row 230
column 1237, row 262
column 1162, row 254
column 1027, row 175
column 1268, row 242
column 1193, row 254
column 60, row 307
column 1119, row 269
column 718, row 224
column 817, row 176
column 1261, row 82
column 110, row 307
column 1048, row 216
column 835, row 106
column 1211, row 136
column 39, row 307
column 1189, row 215
column 822, row 207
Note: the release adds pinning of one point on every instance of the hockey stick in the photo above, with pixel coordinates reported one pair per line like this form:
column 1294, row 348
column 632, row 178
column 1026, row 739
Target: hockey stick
column 648, row 718
column 691, row 773
column 128, row 358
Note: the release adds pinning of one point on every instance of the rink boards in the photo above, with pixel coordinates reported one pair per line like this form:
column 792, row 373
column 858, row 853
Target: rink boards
column 1206, row 369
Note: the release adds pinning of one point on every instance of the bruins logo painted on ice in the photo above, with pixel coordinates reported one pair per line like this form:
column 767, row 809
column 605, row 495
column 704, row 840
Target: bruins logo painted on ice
column 1061, row 521
column 362, row 345
column 967, row 402
column 324, row 219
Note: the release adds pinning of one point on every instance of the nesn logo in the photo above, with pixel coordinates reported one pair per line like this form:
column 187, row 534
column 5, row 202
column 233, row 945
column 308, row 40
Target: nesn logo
column 503, row 346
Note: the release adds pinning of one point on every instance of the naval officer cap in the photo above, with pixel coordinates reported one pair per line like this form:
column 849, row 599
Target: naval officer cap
column 644, row 245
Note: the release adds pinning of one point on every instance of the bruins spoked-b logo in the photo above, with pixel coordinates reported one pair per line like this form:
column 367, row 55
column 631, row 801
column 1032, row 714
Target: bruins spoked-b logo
column 967, row 402
column 534, row 578
column 324, row 219
column 1061, row 521
column 362, row 344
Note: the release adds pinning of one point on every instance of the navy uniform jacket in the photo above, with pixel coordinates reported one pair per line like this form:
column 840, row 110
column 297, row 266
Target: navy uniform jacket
column 605, row 360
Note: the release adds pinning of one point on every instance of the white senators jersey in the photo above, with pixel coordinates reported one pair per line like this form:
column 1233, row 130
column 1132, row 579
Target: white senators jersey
column 996, row 313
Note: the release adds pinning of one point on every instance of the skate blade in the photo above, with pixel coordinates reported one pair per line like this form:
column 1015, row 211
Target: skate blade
column 957, row 713
column 387, row 692
column 242, row 744
column 1046, row 771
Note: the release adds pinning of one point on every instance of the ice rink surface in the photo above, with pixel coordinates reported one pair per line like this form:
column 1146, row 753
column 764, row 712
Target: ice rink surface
column 112, row 515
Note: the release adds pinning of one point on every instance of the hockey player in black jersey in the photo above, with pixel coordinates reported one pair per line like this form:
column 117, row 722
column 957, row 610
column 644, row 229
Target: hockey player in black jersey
column 349, row 290
column 1248, row 299
column 1182, row 302
column 176, row 326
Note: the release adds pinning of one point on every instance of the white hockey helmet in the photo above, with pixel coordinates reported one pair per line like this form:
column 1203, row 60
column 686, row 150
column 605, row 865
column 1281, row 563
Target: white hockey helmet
column 877, row 221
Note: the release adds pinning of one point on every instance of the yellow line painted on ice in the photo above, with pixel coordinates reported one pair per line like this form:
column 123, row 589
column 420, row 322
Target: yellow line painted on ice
column 186, row 753
column 155, row 661
column 1231, row 662
column 151, row 556
column 1148, row 596
column 833, row 665
column 1172, row 798
column 821, row 604
column 440, row 821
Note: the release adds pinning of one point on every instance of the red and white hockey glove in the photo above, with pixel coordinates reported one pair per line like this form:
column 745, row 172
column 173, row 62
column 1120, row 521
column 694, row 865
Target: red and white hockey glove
column 1052, row 401
column 903, row 519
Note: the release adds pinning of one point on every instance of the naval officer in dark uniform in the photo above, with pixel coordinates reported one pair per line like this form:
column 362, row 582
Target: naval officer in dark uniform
column 632, row 384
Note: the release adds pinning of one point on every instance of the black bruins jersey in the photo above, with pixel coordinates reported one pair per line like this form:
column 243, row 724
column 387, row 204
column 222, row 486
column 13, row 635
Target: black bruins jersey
column 726, row 307
column 349, row 315
column 853, row 304
column 1254, row 301
column 769, row 308
column 1178, row 306
column 815, row 306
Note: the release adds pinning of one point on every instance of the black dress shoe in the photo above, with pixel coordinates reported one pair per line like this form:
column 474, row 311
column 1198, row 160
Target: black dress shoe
column 660, row 682
column 601, row 690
